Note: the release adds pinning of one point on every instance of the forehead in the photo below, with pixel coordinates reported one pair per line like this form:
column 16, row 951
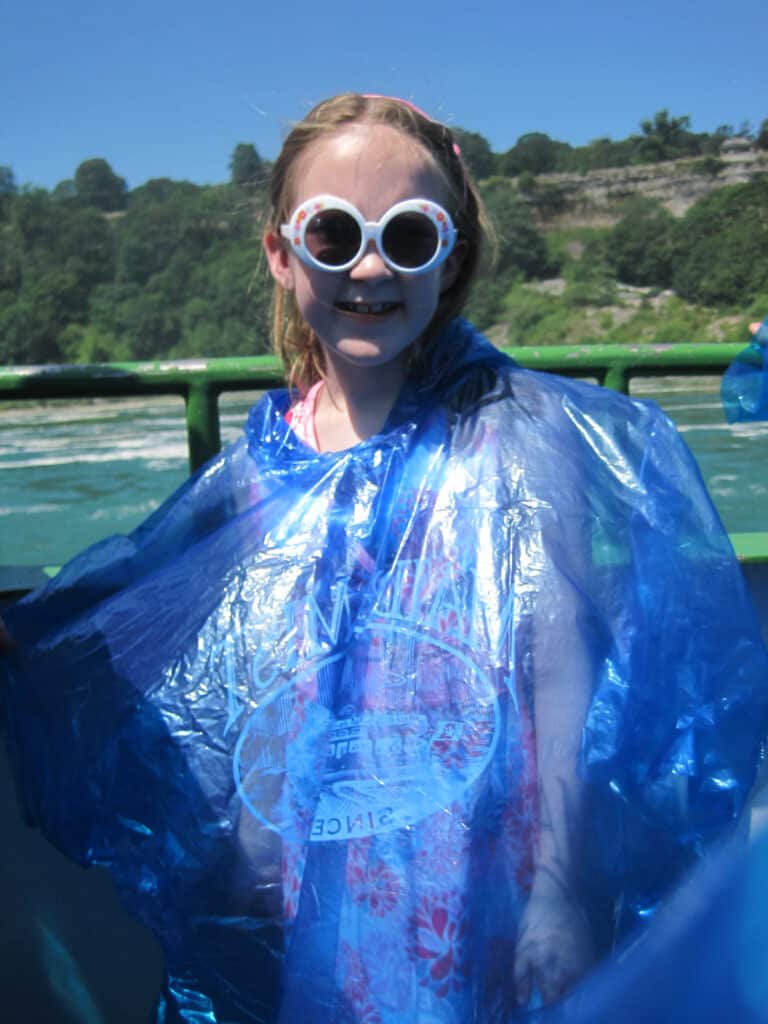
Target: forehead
column 371, row 166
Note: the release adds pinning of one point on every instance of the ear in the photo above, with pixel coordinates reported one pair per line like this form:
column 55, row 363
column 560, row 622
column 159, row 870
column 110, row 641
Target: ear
column 450, row 269
column 278, row 259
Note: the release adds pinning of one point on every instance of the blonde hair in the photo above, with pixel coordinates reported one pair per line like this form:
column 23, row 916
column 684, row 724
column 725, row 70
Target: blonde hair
column 293, row 340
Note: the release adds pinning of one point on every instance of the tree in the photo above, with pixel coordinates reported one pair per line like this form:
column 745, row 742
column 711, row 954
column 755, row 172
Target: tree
column 31, row 327
column 7, row 189
column 601, row 152
column 521, row 249
column 97, row 185
column 476, row 152
column 7, row 181
column 35, row 219
column 762, row 136
column 639, row 247
column 246, row 166
column 65, row 190
column 534, row 152
column 86, row 246
column 665, row 138
column 720, row 246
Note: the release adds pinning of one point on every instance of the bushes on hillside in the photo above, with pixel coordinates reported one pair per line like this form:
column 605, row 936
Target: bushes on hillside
column 639, row 249
column 721, row 246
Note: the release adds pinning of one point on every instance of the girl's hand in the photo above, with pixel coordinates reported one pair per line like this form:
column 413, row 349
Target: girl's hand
column 554, row 946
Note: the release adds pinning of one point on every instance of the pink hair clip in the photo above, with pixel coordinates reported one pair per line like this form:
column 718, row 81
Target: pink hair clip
column 411, row 106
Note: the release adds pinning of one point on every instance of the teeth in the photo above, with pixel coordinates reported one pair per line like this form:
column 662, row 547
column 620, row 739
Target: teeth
column 368, row 308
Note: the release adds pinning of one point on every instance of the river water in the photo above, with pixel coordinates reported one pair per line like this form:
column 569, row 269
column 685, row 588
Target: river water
column 74, row 472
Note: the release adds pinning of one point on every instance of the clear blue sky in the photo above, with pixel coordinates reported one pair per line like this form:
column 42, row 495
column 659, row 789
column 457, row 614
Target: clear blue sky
column 168, row 88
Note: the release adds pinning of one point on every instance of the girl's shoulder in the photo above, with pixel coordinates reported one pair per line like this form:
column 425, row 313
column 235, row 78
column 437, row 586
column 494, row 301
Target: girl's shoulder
column 476, row 374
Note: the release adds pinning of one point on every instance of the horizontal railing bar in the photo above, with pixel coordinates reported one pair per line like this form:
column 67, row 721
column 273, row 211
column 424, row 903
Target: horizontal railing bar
column 167, row 377
column 200, row 382
column 176, row 376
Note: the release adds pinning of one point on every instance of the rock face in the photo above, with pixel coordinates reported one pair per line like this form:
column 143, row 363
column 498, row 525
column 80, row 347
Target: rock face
column 594, row 198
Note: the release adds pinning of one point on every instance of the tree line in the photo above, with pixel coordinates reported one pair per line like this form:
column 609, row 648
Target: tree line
column 93, row 271
column 662, row 137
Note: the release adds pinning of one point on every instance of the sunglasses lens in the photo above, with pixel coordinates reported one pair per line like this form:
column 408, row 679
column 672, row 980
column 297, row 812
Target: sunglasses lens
column 410, row 240
column 332, row 238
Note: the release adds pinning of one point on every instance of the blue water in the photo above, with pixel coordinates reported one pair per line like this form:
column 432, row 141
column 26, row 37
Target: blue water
column 74, row 472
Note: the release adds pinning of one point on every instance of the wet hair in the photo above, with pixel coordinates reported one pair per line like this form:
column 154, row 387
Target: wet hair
column 294, row 341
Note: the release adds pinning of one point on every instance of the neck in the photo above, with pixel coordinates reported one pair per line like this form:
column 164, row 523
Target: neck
column 355, row 402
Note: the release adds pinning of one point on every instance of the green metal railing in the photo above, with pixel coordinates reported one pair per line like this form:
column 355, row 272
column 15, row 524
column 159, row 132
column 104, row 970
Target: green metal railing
column 201, row 381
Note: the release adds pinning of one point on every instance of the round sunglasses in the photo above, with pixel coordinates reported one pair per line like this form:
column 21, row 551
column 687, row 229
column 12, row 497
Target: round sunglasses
column 331, row 234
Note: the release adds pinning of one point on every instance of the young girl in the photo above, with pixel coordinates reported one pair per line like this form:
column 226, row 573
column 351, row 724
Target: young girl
column 354, row 716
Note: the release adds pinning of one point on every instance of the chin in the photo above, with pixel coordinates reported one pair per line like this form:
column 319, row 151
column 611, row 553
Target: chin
column 368, row 352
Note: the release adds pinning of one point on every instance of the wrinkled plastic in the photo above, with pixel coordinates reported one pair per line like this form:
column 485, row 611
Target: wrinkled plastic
column 307, row 712
column 744, row 388
column 702, row 958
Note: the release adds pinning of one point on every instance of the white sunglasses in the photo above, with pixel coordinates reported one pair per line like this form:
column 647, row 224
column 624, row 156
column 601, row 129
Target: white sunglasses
column 331, row 234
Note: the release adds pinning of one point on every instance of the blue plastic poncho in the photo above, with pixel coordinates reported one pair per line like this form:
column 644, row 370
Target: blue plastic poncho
column 744, row 388
column 306, row 714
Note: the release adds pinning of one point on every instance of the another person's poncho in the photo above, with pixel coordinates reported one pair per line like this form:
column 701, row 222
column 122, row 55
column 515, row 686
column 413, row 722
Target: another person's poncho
column 744, row 388
column 295, row 712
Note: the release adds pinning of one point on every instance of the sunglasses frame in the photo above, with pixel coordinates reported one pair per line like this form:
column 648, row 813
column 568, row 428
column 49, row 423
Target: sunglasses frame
column 295, row 230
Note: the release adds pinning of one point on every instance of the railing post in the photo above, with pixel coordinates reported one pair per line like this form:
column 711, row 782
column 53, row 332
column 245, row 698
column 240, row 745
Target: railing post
column 617, row 378
column 203, row 434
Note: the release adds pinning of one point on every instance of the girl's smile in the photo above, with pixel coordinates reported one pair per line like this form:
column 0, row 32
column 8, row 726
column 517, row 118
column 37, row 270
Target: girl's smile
column 367, row 309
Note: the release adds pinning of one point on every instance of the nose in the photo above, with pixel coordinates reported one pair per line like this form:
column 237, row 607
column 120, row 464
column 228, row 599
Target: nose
column 370, row 266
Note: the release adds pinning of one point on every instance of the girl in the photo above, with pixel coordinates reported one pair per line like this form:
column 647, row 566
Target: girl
column 353, row 717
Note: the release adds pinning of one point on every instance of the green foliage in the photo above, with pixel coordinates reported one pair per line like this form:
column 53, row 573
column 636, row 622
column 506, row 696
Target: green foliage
column 602, row 152
column 246, row 166
column 521, row 251
column 31, row 326
column 674, row 321
column 96, row 184
column 92, row 271
column 708, row 166
column 762, row 136
column 639, row 249
column 7, row 190
column 65, row 191
column 7, row 181
column 521, row 247
column 534, row 152
column 537, row 317
column 720, row 246
column 485, row 307
column 547, row 198
column 662, row 137
column 589, row 281
column 565, row 245
column 173, row 274
column 666, row 138
column 475, row 152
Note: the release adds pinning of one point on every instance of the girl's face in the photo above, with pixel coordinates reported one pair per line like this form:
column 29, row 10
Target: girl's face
column 370, row 315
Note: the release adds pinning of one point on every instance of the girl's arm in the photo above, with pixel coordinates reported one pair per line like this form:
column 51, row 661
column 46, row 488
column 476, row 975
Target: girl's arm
column 555, row 944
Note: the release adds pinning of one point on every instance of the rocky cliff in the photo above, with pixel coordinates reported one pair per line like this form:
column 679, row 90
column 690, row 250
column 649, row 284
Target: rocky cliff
column 594, row 198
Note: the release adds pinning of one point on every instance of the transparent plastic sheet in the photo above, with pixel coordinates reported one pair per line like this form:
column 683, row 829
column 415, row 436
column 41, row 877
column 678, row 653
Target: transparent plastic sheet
column 307, row 712
column 744, row 388
column 701, row 959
